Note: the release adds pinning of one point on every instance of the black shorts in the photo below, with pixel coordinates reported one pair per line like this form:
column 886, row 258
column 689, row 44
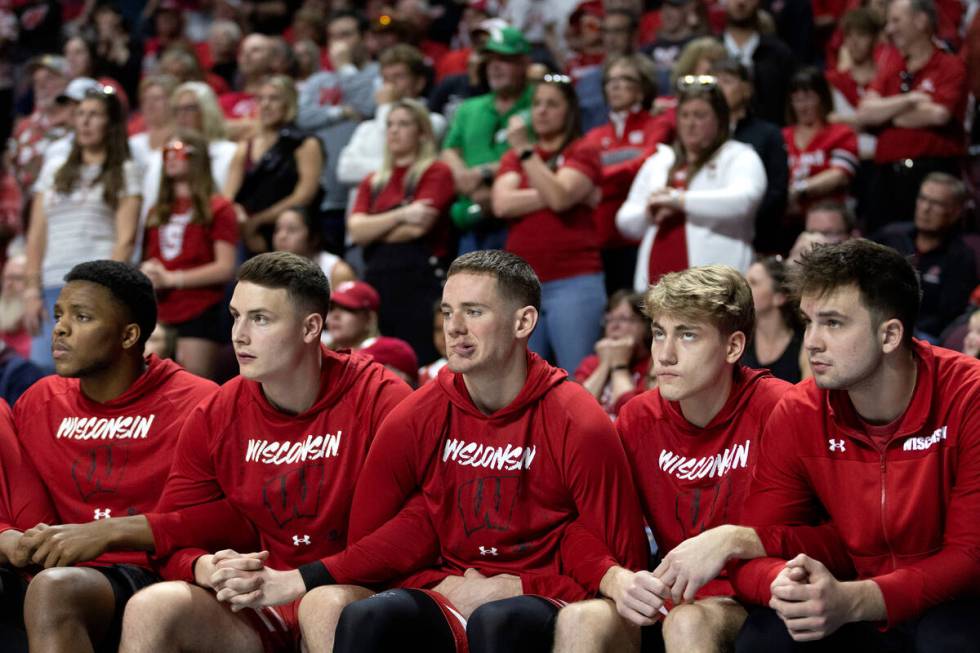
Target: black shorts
column 125, row 580
column 209, row 325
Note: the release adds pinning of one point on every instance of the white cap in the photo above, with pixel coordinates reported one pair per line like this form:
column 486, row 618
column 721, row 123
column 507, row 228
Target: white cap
column 77, row 88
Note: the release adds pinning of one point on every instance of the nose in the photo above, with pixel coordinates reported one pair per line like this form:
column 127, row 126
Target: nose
column 665, row 351
column 239, row 332
column 812, row 341
column 454, row 324
column 60, row 327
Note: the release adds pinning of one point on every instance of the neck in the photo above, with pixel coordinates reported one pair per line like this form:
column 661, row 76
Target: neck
column 769, row 325
column 298, row 388
column 93, row 155
column 700, row 409
column 737, row 114
column 182, row 189
column 551, row 143
column 112, row 382
column 404, row 160
column 926, row 241
column 918, row 53
column 884, row 396
column 505, row 98
column 740, row 34
column 499, row 387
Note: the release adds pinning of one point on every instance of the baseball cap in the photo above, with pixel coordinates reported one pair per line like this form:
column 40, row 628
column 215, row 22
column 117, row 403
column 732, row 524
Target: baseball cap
column 506, row 41
column 53, row 62
column 77, row 88
column 396, row 353
column 356, row 296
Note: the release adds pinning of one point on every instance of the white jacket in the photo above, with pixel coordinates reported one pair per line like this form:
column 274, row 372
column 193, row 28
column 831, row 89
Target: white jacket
column 720, row 205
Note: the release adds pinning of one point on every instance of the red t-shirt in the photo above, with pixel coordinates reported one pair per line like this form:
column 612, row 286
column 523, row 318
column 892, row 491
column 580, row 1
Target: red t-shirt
column 835, row 146
column 944, row 79
column 621, row 158
column 498, row 490
column 453, row 63
column 100, row 460
column 847, row 85
column 435, row 185
column 290, row 476
column 182, row 245
column 638, row 370
column 238, row 104
column 557, row 246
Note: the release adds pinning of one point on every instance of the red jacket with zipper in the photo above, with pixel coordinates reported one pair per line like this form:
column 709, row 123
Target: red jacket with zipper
column 908, row 516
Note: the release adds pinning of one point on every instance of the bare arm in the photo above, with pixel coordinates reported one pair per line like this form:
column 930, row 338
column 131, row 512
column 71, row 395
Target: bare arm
column 876, row 110
column 127, row 221
column 825, row 182
column 509, row 201
column 309, row 163
column 923, row 115
column 220, row 270
column 560, row 190
column 236, row 172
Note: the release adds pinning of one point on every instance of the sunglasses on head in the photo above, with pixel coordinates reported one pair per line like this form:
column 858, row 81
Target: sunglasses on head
column 177, row 149
column 552, row 78
column 696, row 82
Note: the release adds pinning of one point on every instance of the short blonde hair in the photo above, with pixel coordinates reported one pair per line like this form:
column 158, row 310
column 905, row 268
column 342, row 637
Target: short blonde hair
column 705, row 47
column 287, row 87
column 212, row 119
column 716, row 294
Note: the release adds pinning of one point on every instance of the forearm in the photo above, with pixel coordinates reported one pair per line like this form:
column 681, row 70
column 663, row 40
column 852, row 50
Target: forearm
column 8, row 545
column 880, row 110
column 405, row 233
column 744, row 543
column 923, row 116
column 36, row 236
column 597, row 380
column 365, row 229
column 515, row 203
column 867, row 603
column 210, row 274
column 127, row 533
column 614, row 582
column 621, row 381
column 553, row 193
column 826, row 182
column 301, row 196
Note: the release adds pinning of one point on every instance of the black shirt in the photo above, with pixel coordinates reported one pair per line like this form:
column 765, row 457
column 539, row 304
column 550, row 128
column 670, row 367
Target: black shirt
column 767, row 141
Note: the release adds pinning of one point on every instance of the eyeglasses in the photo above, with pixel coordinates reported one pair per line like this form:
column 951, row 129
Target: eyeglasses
column 906, row 79
column 186, row 108
column 552, row 78
column 696, row 82
column 622, row 79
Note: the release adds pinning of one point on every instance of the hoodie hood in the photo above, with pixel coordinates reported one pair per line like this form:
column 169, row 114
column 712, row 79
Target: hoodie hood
column 338, row 372
column 541, row 377
column 158, row 371
column 744, row 384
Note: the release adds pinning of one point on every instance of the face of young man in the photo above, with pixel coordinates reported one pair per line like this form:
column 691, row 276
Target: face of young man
column 841, row 340
column 481, row 325
column 690, row 357
column 270, row 333
column 88, row 330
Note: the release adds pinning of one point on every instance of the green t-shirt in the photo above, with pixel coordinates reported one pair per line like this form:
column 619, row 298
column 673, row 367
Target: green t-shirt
column 479, row 133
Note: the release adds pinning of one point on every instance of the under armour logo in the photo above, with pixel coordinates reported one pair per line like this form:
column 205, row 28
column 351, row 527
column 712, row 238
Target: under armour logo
column 836, row 445
column 103, row 514
column 297, row 540
column 492, row 551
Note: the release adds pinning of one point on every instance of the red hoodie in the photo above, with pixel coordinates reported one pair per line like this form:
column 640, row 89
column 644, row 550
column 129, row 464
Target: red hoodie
column 497, row 489
column 290, row 476
column 100, row 460
column 30, row 504
column 907, row 516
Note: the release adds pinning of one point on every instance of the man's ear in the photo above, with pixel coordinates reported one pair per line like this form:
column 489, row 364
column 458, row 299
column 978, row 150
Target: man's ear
column 735, row 347
column 131, row 336
column 312, row 327
column 526, row 320
column 891, row 332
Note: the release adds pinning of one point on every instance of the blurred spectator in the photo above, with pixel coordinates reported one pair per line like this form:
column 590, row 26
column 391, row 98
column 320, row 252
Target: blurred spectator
column 971, row 344
column 403, row 76
column 121, row 55
column 552, row 187
column 541, row 23
column 49, row 121
column 826, row 223
column 694, row 204
column 297, row 231
column 419, row 15
column 589, row 52
column 12, row 329
column 768, row 59
column 918, row 103
column 477, row 139
column 307, row 55
column 17, row 374
column 69, row 100
column 793, row 20
column 429, row 372
column 191, row 234
column 309, row 25
column 399, row 217
column 11, row 209
column 947, row 266
column 676, row 31
column 621, row 360
column 266, row 16
column 277, row 169
column 182, row 65
column 772, row 234
column 697, row 58
column 159, row 343
column 629, row 136
column 223, row 40
column 38, row 27
column 168, row 32
column 195, row 106
column 352, row 321
column 468, row 39
column 856, row 67
column 396, row 355
column 240, row 105
column 777, row 342
column 282, row 60
column 80, row 53
column 823, row 157
column 85, row 207
column 618, row 37
column 331, row 105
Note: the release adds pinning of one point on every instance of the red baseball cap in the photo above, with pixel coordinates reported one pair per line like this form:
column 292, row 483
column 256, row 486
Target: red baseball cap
column 356, row 296
column 396, row 353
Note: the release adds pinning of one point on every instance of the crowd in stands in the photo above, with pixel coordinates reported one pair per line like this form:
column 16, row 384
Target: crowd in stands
column 606, row 143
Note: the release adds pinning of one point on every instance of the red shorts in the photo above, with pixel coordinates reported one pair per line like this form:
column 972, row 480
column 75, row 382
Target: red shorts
column 277, row 626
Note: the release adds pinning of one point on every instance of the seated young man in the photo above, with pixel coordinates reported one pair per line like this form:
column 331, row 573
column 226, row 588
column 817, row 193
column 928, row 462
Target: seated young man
column 501, row 454
column 692, row 443
column 885, row 441
column 102, row 435
column 281, row 445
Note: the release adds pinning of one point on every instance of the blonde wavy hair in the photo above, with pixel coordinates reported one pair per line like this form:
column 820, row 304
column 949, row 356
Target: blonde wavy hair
column 425, row 155
column 212, row 119
column 716, row 294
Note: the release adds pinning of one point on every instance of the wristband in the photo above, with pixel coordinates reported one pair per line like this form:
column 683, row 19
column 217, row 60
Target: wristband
column 486, row 175
column 315, row 574
column 526, row 154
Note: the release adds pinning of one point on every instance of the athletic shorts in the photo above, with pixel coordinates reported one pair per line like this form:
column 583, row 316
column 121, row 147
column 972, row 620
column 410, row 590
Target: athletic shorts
column 125, row 580
column 209, row 325
column 277, row 626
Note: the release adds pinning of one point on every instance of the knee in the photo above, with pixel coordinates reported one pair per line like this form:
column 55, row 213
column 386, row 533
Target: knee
column 325, row 604
column 686, row 623
column 597, row 618
column 53, row 594
column 157, row 608
column 370, row 613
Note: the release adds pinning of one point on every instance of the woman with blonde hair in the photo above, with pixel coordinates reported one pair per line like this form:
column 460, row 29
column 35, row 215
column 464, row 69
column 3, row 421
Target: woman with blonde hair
column 191, row 234
column 276, row 169
column 399, row 217
column 195, row 106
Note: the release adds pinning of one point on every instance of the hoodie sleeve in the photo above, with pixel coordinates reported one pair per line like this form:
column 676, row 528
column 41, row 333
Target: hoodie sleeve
column 24, row 501
column 599, row 478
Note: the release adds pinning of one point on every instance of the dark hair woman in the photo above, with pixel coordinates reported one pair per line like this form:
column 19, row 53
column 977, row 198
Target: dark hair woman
column 548, row 191
column 191, row 234
column 777, row 343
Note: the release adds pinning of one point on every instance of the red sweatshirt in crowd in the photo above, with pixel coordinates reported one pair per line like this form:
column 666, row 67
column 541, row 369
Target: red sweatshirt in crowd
column 906, row 511
column 290, row 476
column 499, row 489
column 100, row 460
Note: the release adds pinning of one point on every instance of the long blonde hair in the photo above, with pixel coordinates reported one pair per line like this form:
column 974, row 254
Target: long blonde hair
column 425, row 154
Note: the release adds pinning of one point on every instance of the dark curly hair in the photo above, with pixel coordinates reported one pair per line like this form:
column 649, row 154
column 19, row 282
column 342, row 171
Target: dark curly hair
column 128, row 286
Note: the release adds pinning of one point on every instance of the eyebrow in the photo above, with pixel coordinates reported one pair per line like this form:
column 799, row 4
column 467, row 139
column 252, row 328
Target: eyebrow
column 679, row 327
column 252, row 311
